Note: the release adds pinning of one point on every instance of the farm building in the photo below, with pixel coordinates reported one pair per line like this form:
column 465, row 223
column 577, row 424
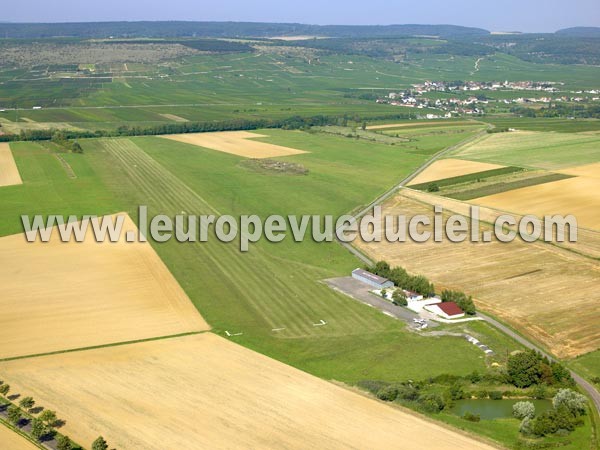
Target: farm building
column 447, row 310
column 371, row 279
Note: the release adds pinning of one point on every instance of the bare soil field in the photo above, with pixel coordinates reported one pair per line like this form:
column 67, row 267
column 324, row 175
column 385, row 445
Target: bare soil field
column 236, row 143
column 9, row 174
column 448, row 168
column 579, row 196
column 544, row 291
column 12, row 441
column 203, row 391
column 58, row 296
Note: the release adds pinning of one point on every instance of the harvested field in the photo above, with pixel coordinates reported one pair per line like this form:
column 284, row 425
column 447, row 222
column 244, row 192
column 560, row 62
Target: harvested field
column 578, row 196
column 587, row 170
column 236, row 143
column 174, row 118
column 12, row 441
column 449, row 168
column 58, row 296
column 544, row 291
column 9, row 174
column 203, row 391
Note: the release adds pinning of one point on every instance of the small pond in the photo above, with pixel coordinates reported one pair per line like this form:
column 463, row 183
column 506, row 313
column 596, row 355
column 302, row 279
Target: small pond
column 495, row 409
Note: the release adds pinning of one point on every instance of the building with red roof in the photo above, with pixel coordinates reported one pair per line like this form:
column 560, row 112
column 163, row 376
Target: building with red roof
column 447, row 310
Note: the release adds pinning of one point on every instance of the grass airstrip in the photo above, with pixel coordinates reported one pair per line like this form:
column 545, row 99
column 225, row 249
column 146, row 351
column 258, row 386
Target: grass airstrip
column 118, row 291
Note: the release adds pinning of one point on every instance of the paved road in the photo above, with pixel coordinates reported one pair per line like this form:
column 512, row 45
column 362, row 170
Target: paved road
column 387, row 194
column 585, row 385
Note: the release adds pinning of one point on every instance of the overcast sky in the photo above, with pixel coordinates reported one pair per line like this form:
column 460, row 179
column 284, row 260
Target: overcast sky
column 507, row 15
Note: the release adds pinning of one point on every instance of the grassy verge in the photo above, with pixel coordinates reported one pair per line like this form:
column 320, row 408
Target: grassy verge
column 497, row 188
column 445, row 182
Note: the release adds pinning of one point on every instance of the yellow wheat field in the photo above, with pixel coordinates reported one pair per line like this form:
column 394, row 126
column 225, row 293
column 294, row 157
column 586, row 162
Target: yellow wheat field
column 202, row 391
column 9, row 174
column 579, row 196
column 235, row 142
column 10, row 440
column 448, row 168
column 544, row 291
column 58, row 296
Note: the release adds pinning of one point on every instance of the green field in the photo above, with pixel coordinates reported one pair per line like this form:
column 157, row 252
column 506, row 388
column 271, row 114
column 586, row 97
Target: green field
column 588, row 365
column 542, row 150
column 542, row 124
column 228, row 287
column 251, row 85
column 272, row 285
column 271, row 296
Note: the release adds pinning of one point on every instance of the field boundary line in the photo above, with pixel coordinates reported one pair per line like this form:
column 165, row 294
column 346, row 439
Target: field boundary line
column 112, row 344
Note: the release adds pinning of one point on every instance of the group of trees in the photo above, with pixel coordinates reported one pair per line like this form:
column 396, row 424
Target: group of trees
column 568, row 409
column 401, row 278
column 59, row 138
column 525, row 369
column 420, row 284
column 428, row 402
column 43, row 421
column 460, row 298
column 560, row 110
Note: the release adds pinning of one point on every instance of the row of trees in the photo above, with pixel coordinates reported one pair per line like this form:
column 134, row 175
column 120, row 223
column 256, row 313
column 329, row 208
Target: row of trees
column 60, row 138
column 525, row 369
column 420, row 284
column 43, row 421
column 295, row 122
column 401, row 278
column 559, row 110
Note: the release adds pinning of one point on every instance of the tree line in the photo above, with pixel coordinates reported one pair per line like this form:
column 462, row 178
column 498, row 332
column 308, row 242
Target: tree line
column 419, row 284
column 295, row 122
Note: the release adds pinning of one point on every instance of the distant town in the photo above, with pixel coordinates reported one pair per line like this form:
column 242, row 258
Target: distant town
column 475, row 104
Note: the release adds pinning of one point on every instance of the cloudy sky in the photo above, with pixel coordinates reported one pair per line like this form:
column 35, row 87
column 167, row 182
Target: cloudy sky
column 508, row 15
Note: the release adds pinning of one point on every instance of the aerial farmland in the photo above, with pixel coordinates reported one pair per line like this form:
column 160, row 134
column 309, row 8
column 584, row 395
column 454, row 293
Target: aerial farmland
column 223, row 312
